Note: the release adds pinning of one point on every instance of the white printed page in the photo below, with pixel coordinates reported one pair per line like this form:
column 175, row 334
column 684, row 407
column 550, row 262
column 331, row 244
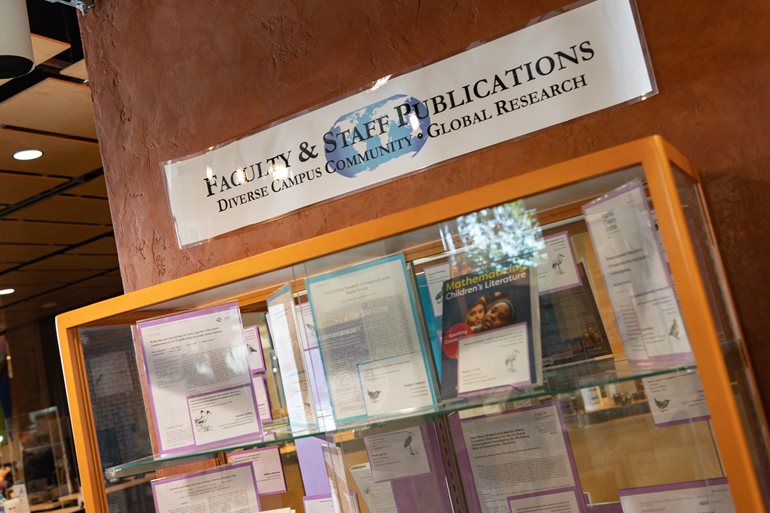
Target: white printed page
column 291, row 359
column 232, row 489
column 364, row 314
column 636, row 275
column 198, row 377
column 517, row 453
column 268, row 469
column 695, row 497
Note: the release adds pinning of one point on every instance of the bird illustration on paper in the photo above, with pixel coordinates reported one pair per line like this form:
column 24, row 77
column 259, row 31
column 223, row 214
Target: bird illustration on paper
column 408, row 443
column 673, row 331
column 373, row 394
column 556, row 264
column 510, row 360
column 252, row 349
column 662, row 405
column 202, row 421
column 438, row 296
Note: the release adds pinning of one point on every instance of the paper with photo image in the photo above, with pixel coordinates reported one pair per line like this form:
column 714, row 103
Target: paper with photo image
column 482, row 307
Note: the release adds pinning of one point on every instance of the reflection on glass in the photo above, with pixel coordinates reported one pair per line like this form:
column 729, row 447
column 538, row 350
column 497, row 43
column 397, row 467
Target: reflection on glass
column 494, row 237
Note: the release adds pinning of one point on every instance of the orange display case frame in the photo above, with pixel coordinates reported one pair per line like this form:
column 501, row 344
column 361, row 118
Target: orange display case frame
column 654, row 155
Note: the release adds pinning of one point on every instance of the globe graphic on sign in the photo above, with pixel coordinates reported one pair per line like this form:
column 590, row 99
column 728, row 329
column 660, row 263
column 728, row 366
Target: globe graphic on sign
column 389, row 139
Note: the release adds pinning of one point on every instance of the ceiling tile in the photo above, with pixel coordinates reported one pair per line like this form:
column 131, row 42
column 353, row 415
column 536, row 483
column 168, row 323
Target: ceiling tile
column 53, row 105
column 77, row 70
column 23, row 292
column 65, row 262
column 67, row 209
column 104, row 246
column 61, row 156
column 95, row 187
column 43, row 48
column 54, row 233
column 16, row 187
column 18, row 253
column 111, row 281
column 52, row 279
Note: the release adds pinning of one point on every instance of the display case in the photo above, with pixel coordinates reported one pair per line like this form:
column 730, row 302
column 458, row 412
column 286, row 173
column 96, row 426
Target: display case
column 560, row 341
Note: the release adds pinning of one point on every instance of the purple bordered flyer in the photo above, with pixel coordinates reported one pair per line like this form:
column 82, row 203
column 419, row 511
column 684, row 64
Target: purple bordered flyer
column 268, row 468
column 636, row 274
column 201, row 395
column 517, row 460
column 223, row 485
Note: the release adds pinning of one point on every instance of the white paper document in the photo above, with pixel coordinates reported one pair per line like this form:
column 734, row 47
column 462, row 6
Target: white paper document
column 338, row 481
column 548, row 502
column 557, row 268
column 268, row 468
column 226, row 411
column 676, row 398
column 378, row 496
column 365, row 313
column 232, row 489
column 494, row 359
column 395, row 383
column 319, row 504
column 254, row 349
column 263, row 399
column 435, row 276
column 291, row 359
column 397, row 454
column 636, row 275
column 694, row 497
column 518, row 454
column 306, row 326
column 199, row 380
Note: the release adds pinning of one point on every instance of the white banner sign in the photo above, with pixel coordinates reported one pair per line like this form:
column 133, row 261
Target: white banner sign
column 578, row 62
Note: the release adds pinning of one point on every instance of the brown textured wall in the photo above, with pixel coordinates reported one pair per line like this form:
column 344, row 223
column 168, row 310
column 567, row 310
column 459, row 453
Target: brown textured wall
column 171, row 78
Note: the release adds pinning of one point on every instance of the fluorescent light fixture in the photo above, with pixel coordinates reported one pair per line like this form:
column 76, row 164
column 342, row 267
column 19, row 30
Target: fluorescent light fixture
column 5, row 292
column 28, row 154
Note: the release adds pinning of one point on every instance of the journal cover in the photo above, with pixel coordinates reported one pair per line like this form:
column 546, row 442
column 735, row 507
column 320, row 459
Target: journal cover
column 491, row 331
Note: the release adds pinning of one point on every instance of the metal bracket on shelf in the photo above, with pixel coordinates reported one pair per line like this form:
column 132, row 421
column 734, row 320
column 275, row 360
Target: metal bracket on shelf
column 82, row 5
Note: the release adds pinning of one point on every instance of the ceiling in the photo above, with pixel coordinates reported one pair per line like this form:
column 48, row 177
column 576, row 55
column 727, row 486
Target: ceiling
column 57, row 248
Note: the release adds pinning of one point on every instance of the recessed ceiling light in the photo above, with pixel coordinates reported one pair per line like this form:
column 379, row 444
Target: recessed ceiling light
column 5, row 292
column 28, row 155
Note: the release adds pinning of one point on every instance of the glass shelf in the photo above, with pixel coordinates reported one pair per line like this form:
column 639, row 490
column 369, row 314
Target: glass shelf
column 563, row 379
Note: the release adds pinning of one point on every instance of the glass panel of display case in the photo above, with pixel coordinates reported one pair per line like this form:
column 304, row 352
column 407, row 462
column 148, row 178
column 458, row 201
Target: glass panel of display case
column 735, row 352
column 528, row 356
